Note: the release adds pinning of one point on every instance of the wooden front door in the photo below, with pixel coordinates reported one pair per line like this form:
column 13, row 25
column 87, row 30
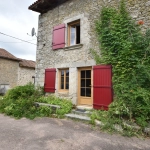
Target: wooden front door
column 85, row 86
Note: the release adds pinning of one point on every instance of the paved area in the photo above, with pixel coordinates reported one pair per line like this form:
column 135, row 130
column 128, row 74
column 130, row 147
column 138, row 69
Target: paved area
column 55, row 134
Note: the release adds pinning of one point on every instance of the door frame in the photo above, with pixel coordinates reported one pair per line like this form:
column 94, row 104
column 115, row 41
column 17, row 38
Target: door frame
column 78, row 85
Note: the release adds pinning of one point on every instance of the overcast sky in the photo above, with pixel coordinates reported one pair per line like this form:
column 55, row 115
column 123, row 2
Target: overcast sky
column 16, row 20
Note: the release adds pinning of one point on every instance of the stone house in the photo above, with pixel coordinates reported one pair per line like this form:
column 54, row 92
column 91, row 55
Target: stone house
column 66, row 33
column 14, row 71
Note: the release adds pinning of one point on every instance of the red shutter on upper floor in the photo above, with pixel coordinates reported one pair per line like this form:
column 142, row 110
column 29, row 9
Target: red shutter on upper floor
column 50, row 76
column 58, row 37
column 102, row 86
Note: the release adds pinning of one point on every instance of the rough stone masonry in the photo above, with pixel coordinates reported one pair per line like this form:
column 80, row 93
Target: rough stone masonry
column 88, row 11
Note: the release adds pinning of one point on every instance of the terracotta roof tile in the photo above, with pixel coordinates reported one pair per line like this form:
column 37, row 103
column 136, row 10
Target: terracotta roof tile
column 42, row 6
column 7, row 55
column 34, row 4
column 27, row 63
column 22, row 62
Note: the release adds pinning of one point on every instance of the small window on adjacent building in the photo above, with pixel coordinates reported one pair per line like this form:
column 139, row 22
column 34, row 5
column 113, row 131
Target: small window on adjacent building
column 74, row 33
column 64, row 79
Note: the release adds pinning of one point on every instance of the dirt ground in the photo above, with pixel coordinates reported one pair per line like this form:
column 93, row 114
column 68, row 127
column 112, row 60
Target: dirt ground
column 56, row 134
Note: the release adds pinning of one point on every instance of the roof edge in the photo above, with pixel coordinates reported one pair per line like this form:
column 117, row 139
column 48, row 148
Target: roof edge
column 42, row 6
column 10, row 58
column 26, row 67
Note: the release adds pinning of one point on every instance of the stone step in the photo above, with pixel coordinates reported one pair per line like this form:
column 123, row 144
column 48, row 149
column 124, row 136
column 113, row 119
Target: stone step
column 79, row 117
column 84, row 107
column 81, row 112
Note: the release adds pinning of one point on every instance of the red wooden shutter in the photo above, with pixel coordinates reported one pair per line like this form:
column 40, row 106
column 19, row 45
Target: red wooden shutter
column 58, row 37
column 50, row 76
column 102, row 86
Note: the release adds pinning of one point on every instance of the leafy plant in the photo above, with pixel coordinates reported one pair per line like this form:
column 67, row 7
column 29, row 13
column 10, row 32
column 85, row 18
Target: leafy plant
column 66, row 105
column 127, row 49
column 19, row 102
column 20, row 91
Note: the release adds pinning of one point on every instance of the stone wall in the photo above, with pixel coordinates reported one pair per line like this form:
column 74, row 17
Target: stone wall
column 25, row 75
column 88, row 11
column 8, row 72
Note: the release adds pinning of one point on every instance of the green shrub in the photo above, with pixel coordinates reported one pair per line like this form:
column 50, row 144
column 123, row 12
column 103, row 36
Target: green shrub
column 66, row 105
column 20, row 92
column 19, row 102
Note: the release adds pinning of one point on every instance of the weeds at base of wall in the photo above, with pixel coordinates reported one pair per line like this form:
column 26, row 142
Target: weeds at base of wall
column 19, row 102
column 116, row 124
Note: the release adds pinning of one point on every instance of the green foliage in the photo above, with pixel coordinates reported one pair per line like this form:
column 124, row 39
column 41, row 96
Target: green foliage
column 21, row 92
column 1, row 97
column 127, row 49
column 18, row 108
column 66, row 105
column 19, row 102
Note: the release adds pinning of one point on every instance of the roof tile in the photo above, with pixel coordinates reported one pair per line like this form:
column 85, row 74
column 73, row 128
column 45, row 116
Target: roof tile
column 22, row 62
column 27, row 63
column 7, row 55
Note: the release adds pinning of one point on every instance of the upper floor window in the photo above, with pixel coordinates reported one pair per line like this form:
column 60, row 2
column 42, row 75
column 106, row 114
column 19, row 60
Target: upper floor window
column 74, row 33
column 59, row 41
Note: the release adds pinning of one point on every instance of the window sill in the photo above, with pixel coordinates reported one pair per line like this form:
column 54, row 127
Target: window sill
column 63, row 91
column 77, row 46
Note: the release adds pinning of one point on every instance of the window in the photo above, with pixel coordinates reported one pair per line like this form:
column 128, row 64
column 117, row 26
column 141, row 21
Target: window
column 74, row 33
column 64, row 79
column 73, row 37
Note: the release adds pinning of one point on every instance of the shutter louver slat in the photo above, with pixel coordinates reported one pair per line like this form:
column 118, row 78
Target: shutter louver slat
column 102, row 86
column 58, row 37
column 50, row 76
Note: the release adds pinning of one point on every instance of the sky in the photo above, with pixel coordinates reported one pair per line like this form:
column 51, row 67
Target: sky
column 17, row 20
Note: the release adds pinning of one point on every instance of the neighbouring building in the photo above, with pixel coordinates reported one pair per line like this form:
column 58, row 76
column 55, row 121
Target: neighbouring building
column 26, row 71
column 66, row 33
column 14, row 71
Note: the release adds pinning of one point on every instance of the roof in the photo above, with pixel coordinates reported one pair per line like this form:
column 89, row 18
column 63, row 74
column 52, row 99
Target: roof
column 22, row 62
column 42, row 6
column 27, row 63
column 5, row 54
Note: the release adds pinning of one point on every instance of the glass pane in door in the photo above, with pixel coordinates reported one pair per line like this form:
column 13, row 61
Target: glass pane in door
column 83, row 74
column 83, row 92
column 88, row 82
column 88, row 92
column 88, row 73
column 85, row 83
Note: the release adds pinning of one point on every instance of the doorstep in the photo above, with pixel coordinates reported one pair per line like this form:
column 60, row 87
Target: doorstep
column 84, row 107
column 80, row 113
column 78, row 117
